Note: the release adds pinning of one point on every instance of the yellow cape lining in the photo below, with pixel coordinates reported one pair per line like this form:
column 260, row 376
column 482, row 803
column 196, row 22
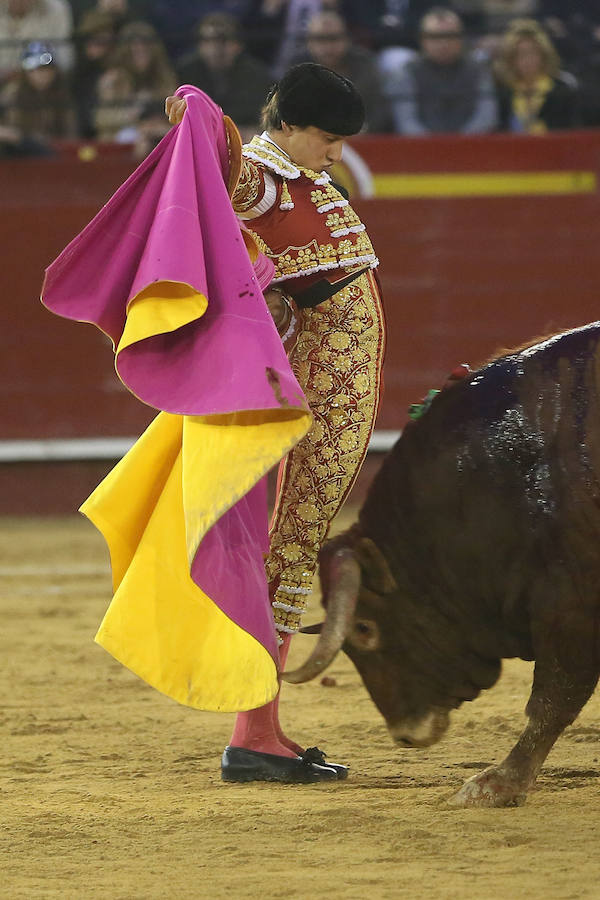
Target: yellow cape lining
column 155, row 507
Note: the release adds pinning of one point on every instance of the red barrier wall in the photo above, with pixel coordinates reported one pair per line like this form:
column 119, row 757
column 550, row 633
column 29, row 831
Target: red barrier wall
column 56, row 378
column 462, row 276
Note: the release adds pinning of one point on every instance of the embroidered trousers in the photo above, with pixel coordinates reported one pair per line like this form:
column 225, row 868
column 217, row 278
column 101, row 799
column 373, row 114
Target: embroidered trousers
column 337, row 359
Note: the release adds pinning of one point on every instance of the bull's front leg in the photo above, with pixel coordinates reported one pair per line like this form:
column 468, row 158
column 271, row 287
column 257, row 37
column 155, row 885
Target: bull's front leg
column 557, row 697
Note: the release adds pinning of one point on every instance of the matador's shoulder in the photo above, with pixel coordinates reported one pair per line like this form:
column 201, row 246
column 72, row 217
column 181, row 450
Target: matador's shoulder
column 265, row 170
column 263, row 165
column 269, row 156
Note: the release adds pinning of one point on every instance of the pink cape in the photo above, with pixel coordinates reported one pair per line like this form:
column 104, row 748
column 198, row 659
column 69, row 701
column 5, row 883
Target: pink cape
column 171, row 224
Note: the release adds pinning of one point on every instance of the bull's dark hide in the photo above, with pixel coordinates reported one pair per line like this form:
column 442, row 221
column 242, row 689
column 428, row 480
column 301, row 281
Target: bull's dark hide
column 483, row 524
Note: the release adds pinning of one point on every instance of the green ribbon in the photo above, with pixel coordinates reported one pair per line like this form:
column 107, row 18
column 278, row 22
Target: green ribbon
column 416, row 410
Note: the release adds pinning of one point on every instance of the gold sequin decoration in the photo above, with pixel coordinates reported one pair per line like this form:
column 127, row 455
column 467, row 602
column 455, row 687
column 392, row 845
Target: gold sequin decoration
column 343, row 220
column 271, row 156
column 314, row 256
column 248, row 187
column 285, row 201
column 339, row 370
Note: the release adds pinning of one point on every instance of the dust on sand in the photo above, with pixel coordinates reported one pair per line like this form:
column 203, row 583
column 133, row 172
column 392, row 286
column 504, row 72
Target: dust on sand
column 109, row 790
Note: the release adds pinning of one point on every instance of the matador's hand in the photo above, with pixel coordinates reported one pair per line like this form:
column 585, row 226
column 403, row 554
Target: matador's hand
column 277, row 307
column 175, row 108
column 280, row 309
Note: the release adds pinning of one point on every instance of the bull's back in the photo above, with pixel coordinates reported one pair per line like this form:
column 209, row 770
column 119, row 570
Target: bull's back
column 500, row 464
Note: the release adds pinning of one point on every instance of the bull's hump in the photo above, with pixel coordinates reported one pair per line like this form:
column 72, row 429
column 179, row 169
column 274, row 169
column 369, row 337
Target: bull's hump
column 500, row 386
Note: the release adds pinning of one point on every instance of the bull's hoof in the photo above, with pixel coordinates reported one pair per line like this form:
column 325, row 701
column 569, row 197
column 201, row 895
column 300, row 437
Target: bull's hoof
column 490, row 788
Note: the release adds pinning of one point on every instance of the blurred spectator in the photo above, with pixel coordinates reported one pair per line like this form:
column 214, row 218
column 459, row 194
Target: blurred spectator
column 442, row 89
column 140, row 72
column 149, row 129
column 573, row 27
column 385, row 23
column 118, row 108
column 95, row 39
column 487, row 20
column 23, row 21
column 493, row 16
column 13, row 144
column 588, row 75
column 498, row 14
column 293, row 17
column 37, row 102
column 264, row 28
column 328, row 43
column 275, row 28
column 472, row 15
column 534, row 94
column 141, row 53
column 122, row 11
column 119, row 11
column 221, row 67
column 177, row 22
column 577, row 38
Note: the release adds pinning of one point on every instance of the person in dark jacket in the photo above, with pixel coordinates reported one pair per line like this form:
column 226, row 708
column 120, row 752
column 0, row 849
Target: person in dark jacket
column 573, row 27
column 38, row 101
column 226, row 72
column 95, row 40
column 442, row 89
column 534, row 95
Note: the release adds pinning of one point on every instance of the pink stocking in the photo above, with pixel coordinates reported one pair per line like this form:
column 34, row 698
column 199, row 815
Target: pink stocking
column 259, row 729
column 286, row 741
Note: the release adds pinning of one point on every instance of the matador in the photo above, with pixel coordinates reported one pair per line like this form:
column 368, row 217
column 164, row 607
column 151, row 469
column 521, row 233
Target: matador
column 184, row 513
column 326, row 300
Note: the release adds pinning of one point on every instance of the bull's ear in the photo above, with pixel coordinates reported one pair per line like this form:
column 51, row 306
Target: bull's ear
column 376, row 571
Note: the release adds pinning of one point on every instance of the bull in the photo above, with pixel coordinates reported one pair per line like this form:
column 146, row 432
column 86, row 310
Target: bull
column 479, row 540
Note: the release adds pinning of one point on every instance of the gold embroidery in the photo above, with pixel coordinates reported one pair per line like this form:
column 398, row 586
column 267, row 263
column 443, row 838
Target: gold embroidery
column 259, row 242
column 271, row 156
column 286, row 201
column 327, row 198
column 314, row 256
column 342, row 222
column 343, row 393
column 248, row 187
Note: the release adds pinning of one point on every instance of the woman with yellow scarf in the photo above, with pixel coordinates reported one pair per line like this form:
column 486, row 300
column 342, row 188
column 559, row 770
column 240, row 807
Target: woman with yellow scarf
column 534, row 95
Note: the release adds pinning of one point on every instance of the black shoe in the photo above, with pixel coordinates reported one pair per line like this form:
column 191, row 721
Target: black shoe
column 314, row 755
column 238, row 764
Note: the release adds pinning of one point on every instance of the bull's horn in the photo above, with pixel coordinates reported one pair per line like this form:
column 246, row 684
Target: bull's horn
column 344, row 578
column 312, row 629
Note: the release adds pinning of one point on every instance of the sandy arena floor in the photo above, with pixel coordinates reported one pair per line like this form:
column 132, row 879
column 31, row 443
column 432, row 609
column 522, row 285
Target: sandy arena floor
column 109, row 790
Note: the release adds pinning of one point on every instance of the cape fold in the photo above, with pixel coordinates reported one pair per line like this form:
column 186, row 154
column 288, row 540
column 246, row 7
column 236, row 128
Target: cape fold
column 163, row 269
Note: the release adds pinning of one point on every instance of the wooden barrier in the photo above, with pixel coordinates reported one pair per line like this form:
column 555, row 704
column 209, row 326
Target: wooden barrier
column 463, row 274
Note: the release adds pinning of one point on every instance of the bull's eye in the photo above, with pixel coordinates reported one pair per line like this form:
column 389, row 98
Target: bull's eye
column 364, row 634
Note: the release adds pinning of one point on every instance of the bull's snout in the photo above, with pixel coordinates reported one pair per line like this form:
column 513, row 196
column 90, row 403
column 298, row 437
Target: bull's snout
column 420, row 732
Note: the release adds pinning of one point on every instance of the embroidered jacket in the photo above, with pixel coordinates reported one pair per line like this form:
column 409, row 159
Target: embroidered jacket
column 282, row 204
